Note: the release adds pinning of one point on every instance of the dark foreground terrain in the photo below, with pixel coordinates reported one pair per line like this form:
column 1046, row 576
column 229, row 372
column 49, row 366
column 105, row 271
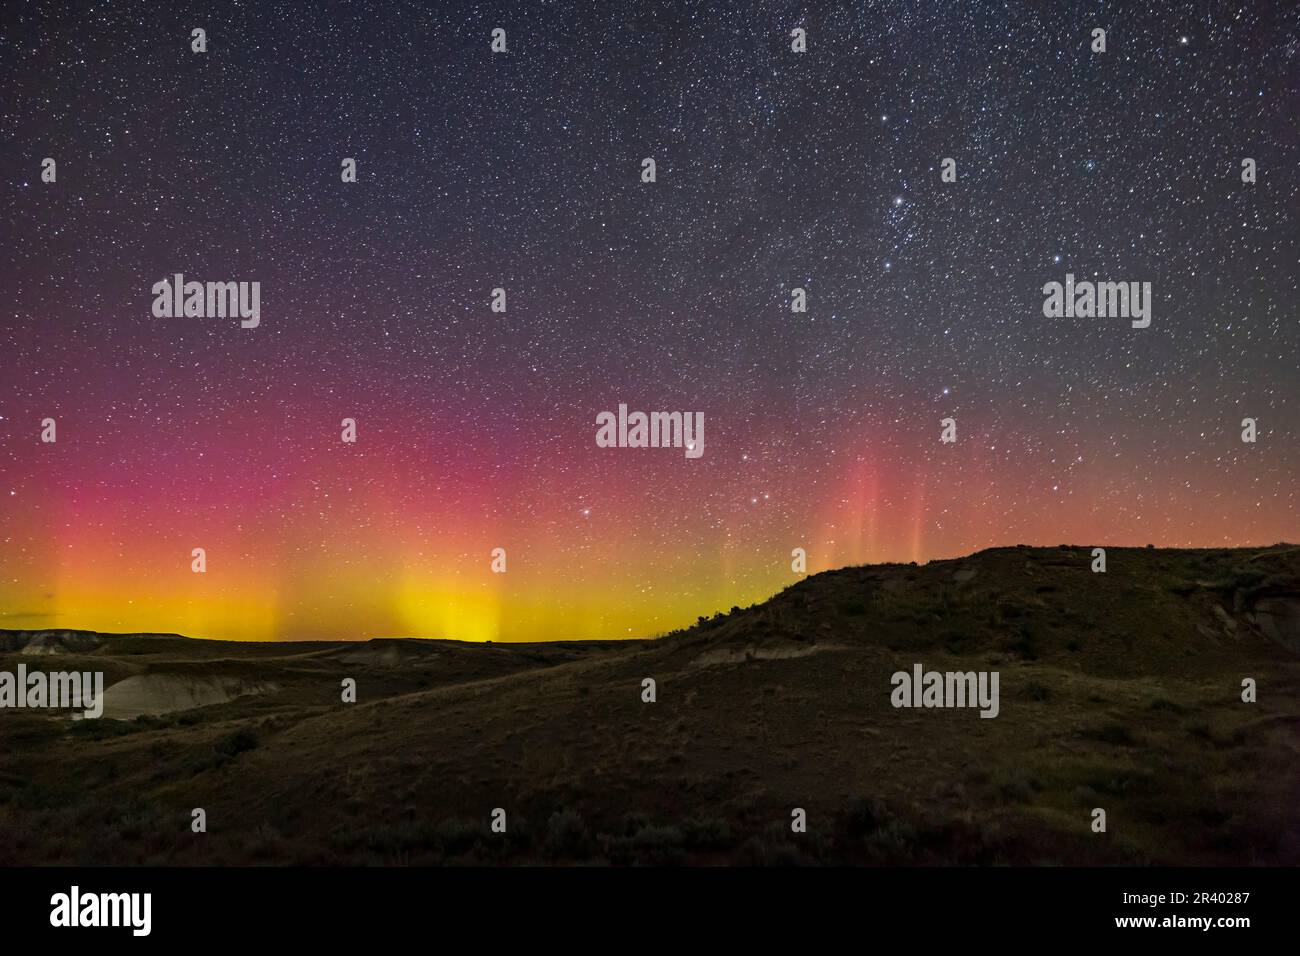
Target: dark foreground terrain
column 1119, row 690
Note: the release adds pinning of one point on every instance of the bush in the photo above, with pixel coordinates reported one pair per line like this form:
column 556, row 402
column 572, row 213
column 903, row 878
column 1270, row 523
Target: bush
column 1023, row 646
column 773, row 847
column 707, row 833
column 237, row 743
column 1019, row 787
column 865, row 815
column 567, row 835
column 458, row 836
column 657, row 846
column 894, row 842
column 1116, row 734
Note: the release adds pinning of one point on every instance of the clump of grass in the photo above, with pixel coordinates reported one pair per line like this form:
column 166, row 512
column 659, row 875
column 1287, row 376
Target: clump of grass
column 707, row 833
column 387, row 839
column 1023, row 646
column 567, row 836
column 773, row 847
column 864, row 815
column 1018, row 786
column 634, row 823
column 241, row 741
column 895, row 842
column 650, row 846
column 1112, row 733
column 1010, row 610
column 870, row 824
column 1037, row 691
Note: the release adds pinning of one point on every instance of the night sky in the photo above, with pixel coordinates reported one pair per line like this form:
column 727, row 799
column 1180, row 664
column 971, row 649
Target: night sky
column 522, row 170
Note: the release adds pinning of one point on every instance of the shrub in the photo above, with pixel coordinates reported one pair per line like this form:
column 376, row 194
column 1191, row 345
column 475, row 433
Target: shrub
column 707, row 833
column 237, row 743
column 658, row 846
column 865, row 815
column 1019, row 787
column 894, row 842
column 1113, row 733
column 567, row 835
column 773, row 847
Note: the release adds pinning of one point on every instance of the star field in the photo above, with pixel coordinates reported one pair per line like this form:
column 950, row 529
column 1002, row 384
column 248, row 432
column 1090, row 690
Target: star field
column 521, row 170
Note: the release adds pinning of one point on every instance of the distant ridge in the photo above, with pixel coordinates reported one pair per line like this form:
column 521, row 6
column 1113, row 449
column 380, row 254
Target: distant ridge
column 64, row 640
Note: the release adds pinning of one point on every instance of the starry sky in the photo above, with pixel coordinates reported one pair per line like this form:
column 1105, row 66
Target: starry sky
column 522, row 170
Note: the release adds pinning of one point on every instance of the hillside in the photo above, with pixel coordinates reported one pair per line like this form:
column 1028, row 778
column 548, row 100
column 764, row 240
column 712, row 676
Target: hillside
column 1119, row 690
